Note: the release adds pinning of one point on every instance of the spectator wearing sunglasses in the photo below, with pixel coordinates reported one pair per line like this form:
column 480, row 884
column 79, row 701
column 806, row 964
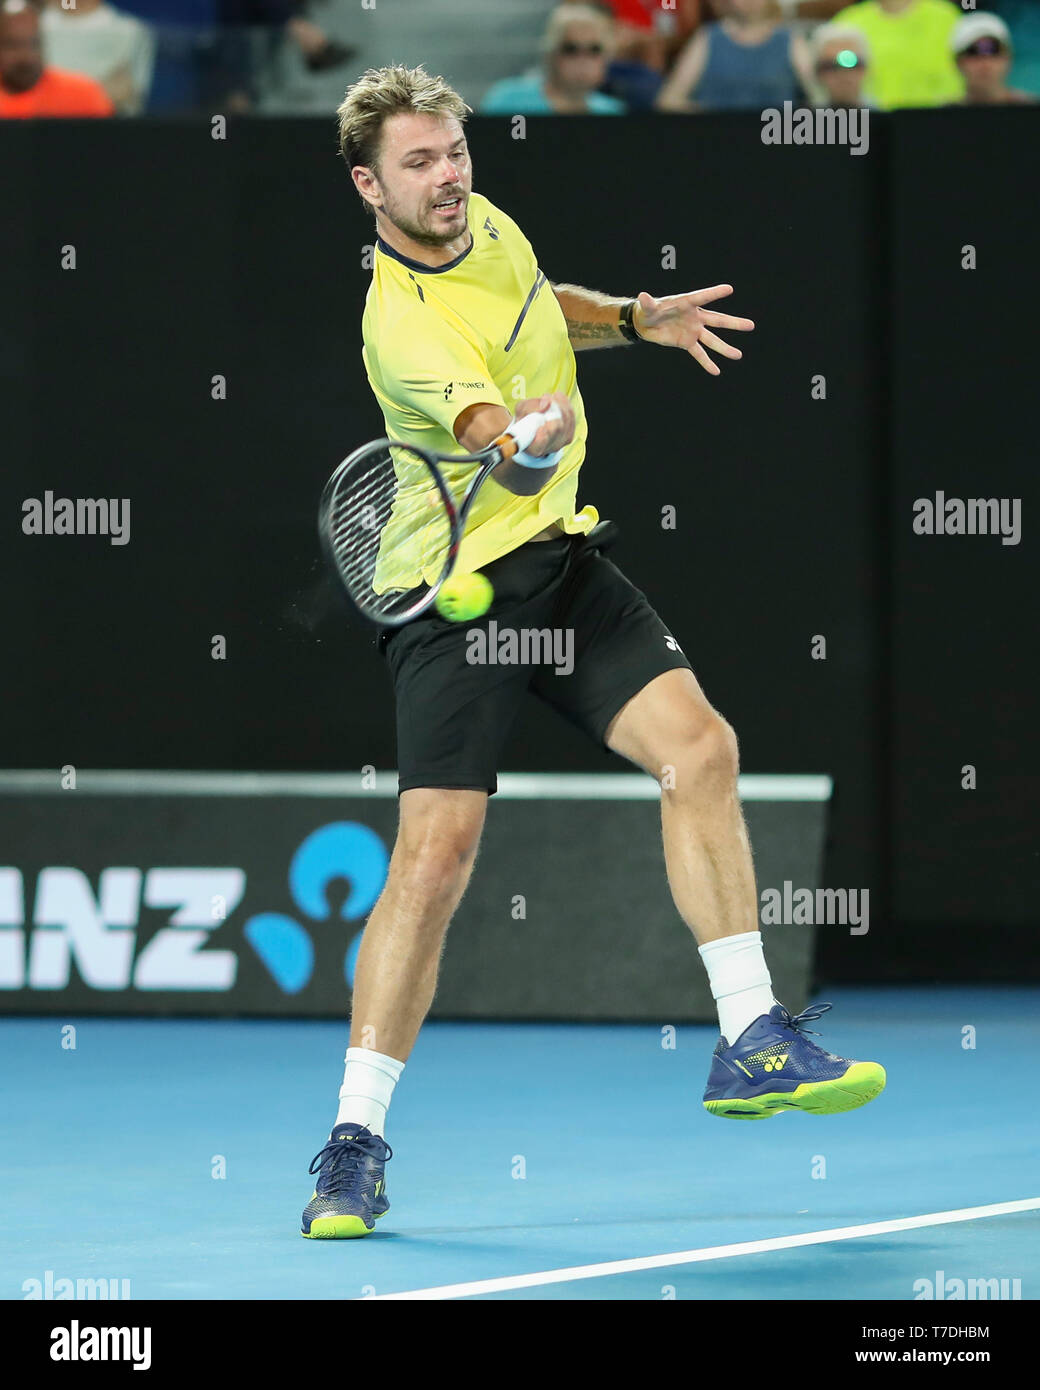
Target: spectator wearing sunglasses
column 576, row 52
column 841, row 58
column 911, row 63
column 981, row 44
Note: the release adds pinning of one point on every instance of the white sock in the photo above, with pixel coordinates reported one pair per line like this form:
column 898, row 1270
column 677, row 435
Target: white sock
column 739, row 980
column 368, row 1083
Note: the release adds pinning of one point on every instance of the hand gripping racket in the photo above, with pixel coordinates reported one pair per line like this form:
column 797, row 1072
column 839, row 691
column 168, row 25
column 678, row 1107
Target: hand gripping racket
column 390, row 526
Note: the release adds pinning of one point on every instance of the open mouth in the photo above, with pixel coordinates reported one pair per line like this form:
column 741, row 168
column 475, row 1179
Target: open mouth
column 448, row 208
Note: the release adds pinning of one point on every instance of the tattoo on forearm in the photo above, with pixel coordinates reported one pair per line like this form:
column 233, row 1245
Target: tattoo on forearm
column 580, row 331
column 576, row 300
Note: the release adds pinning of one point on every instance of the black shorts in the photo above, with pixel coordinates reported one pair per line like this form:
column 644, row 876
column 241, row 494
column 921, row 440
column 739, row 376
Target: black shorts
column 585, row 640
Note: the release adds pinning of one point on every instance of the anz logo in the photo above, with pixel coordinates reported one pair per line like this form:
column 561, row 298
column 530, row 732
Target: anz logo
column 342, row 850
column 70, row 921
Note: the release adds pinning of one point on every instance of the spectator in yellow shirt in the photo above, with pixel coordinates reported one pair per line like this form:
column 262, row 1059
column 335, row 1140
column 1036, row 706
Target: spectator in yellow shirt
column 911, row 60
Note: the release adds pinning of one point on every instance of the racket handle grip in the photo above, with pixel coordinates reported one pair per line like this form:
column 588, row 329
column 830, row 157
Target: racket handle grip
column 519, row 434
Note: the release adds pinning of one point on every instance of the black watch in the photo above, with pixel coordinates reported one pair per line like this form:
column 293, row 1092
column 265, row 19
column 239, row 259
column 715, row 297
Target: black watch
column 625, row 325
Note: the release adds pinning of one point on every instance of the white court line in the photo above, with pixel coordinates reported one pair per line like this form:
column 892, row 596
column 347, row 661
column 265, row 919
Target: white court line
column 714, row 1252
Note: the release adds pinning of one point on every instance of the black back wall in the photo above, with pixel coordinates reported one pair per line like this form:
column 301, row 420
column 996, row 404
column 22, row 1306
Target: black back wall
column 244, row 258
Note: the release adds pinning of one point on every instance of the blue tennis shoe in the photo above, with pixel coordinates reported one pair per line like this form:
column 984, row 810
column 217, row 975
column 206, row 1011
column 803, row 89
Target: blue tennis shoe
column 350, row 1193
column 773, row 1066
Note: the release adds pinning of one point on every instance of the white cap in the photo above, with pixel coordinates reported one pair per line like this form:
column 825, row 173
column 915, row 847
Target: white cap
column 845, row 33
column 978, row 26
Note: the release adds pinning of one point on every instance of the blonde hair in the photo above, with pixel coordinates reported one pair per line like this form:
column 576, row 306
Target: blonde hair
column 383, row 92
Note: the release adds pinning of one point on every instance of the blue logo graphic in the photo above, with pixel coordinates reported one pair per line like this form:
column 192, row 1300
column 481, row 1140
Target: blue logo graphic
column 343, row 850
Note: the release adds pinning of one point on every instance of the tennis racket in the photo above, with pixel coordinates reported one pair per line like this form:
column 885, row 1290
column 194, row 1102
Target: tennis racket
column 390, row 526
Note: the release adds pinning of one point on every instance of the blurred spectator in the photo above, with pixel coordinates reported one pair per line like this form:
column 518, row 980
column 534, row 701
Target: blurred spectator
column 648, row 31
column 982, row 46
column 277, row 16
column 911, row 62
column 196, row 67
column 808, row 9
column 841, row 57
column 27, row 87
column 635, row 68
column 744, row 62
column 209, row 50
column 95, row 39
column 633, row 84
column 576, row 49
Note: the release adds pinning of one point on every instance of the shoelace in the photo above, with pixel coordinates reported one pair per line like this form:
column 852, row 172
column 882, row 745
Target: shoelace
column 344, row 1157
column 796, row 1021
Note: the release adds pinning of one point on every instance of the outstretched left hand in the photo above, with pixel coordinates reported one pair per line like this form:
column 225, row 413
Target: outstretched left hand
column 679, row 320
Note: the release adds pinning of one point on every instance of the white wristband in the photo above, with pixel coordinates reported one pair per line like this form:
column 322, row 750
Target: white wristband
column 524, row 431
column 530, row 461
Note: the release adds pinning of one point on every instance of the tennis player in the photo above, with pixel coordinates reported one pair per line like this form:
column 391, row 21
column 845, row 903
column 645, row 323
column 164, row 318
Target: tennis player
column 463, row 332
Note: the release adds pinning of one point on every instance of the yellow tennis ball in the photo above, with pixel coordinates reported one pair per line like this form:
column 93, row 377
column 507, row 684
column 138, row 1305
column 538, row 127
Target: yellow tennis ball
column 464, row 596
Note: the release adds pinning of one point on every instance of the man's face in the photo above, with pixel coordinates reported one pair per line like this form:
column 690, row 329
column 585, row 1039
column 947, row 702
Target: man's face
column 843, row 84
column 424, row 161
column 579, row 61
column 985, row 71
column 21, row 55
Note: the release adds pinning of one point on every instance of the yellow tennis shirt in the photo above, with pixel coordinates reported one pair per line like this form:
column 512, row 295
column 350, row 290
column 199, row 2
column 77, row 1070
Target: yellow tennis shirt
column 484, row 327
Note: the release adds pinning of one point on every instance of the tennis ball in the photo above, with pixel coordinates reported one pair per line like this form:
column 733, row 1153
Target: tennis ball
column 464, row 596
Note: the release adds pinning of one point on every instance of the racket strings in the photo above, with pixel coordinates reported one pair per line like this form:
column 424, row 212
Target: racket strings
column 387, row 524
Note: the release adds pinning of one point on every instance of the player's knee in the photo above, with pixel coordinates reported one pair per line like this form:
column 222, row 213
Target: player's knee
column 438, row 864
column 708, row 762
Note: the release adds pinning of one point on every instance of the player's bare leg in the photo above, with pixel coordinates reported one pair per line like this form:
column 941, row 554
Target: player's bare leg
column 394, row 984
column 671, row 731
column 763, row 1063
column 396, row 975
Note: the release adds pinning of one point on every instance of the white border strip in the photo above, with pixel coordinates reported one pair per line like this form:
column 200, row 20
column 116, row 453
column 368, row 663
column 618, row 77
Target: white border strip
column 551, row 786
column 712, row 1252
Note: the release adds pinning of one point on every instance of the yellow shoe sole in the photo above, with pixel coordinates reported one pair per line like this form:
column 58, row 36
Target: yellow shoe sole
column 863, row 1082
column 338, row 1228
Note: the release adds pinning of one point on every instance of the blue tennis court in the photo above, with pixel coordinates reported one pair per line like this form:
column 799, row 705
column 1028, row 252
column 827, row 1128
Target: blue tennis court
column 173, row 1155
